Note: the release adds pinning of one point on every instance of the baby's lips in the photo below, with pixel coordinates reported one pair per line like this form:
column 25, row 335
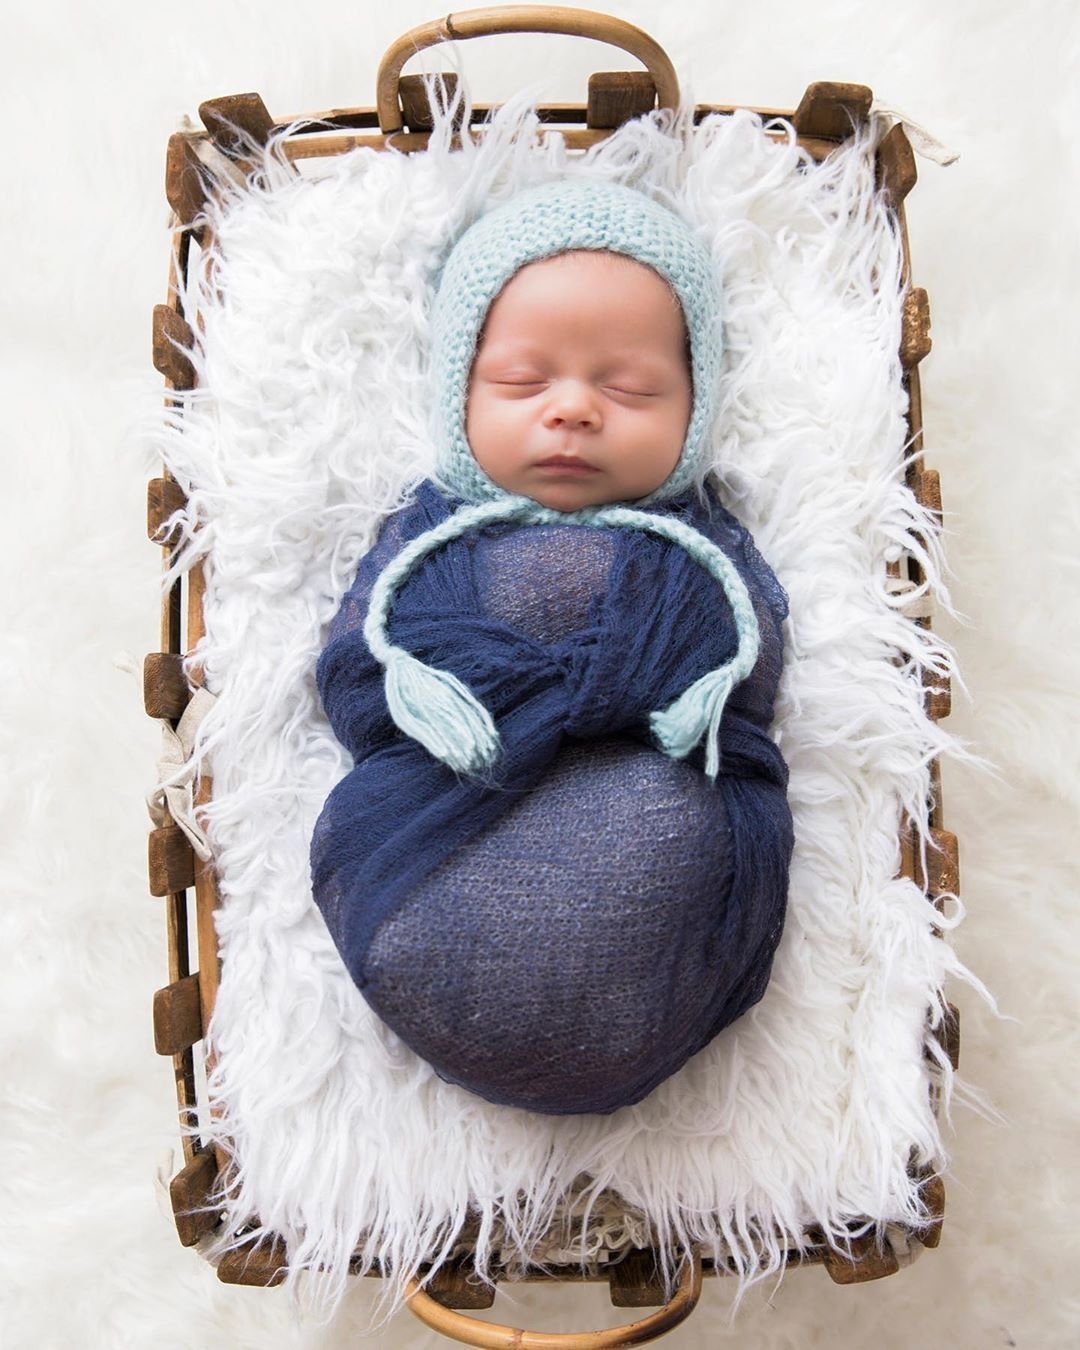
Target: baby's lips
column 569, row 463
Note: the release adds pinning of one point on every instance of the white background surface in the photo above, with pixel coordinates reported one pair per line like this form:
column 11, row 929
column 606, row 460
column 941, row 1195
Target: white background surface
column 88, row 1253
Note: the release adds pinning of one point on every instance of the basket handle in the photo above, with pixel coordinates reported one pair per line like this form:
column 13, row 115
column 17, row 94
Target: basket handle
column 471, row 23
column 494, row 1336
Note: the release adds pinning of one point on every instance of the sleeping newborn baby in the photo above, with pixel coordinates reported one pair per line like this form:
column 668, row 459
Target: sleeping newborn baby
column 559, row 866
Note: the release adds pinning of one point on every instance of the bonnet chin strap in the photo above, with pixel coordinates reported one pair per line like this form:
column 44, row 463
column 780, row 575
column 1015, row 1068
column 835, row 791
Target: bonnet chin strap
column 436, row 709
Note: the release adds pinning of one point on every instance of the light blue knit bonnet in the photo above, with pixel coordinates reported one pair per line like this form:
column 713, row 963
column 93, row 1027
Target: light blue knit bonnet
column 434, row 706
column 539, row 223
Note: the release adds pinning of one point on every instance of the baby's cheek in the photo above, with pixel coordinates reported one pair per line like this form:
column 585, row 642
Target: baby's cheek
column 490, row 432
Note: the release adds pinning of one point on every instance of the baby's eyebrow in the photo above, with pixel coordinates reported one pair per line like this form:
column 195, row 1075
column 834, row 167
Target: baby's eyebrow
column 511, row 344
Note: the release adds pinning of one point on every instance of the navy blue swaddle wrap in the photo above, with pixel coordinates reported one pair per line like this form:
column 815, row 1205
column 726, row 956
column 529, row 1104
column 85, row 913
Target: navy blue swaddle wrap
column 558, row 867
column 567, row 934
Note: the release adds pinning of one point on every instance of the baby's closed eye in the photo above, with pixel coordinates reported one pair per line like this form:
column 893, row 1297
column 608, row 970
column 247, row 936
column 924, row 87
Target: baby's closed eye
column 628, row 390
column 511, row 377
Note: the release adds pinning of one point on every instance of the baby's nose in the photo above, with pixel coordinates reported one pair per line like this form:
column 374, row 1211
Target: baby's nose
column 572, row 403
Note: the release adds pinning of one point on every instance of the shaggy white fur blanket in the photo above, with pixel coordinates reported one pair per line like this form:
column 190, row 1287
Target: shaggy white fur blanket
column 308, row 427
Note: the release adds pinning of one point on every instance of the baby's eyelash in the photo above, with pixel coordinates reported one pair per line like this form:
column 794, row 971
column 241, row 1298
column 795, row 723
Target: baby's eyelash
column 538, row 382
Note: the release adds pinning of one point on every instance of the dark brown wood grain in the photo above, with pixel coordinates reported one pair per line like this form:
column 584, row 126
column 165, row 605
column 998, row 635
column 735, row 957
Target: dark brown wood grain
column 261, row 1265
column 164, row 497
column 618, row 96
column 172, row 339
column 416, row 106
column 177, row 1016
column 455, row 1285
column 868, row 1261
column 942, row 864
column 830, row 111
column 926, row 485
column 190, row 1191
column 165, row 688
column 896, row 170
column 237, row 123
column 933, row 1197
column 635, row 1281
column 171, row 861
column 185, row 179
column 915, row 341
column 939, row 698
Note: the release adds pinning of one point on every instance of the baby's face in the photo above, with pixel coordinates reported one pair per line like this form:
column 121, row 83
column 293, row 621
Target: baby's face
column 580, row 392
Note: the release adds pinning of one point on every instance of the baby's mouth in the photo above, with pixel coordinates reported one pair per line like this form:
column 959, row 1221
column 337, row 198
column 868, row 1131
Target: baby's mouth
column 566, row 464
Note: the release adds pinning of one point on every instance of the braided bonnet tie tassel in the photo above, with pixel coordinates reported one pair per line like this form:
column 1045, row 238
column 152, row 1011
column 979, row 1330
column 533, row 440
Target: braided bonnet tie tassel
column 440, row 712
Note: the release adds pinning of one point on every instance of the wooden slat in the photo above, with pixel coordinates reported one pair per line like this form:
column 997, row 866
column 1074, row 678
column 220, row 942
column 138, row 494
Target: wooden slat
column 942, row 864
column 896, row 170
column 171, row 861
column 939, row 699
column 635, row 1281
column 618, row 96
column 915, row 341
column 207, row 898
column 165, row 687
column 914, row 412
column 187, row 1098
column 947, row 1033
column 408, row 143
column 416, row 106
column 315, row 124
column 926, row 486
column 164, row 497
column 172, row 339
column 190, row 1191
column 236, row 123
column 455, row 1285
column 933, row 1196
column 177, row 1016
column 261, row 1265
column 185, row 182
column 832, row 111
column 868, row 1261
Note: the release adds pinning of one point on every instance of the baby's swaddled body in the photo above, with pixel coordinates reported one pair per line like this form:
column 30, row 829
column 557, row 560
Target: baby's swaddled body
column 571, row 931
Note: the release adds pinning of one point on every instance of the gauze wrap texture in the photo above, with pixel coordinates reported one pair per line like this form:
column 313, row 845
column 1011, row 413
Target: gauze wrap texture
column 565, row 933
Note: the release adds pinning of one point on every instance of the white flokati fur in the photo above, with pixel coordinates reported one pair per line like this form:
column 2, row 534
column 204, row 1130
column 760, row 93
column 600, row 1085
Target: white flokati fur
column 309, row 426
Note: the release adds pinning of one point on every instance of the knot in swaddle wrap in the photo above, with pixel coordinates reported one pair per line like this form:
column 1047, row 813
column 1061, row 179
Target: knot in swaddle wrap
column 433, row 706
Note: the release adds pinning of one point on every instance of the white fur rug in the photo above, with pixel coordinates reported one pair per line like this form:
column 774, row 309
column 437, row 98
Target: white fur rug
column 88, row 1251
column 308, row 427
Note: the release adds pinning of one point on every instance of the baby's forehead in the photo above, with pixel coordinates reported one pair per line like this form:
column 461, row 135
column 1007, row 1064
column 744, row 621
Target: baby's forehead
column 617, row 278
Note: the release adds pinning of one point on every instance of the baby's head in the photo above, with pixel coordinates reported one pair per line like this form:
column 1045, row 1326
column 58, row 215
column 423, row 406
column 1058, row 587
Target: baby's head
column 576, row 342
column 580, row 391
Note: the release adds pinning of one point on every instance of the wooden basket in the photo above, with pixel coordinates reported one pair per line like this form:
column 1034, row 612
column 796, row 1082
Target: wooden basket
column 401, row 118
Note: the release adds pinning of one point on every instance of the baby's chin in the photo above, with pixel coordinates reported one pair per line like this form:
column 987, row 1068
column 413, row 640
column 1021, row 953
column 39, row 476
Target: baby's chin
column 568, row 497
column 572, row 494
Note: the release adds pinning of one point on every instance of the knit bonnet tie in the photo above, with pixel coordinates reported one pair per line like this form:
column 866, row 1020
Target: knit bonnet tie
column 433, row 706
